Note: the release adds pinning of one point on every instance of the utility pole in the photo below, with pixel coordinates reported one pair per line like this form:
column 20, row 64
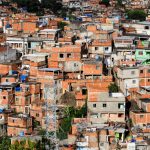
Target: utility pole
column 51, row 116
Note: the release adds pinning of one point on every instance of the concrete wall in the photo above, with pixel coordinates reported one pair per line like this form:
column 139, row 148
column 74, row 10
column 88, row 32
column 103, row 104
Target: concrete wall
column 128, row 73
column 72, row 66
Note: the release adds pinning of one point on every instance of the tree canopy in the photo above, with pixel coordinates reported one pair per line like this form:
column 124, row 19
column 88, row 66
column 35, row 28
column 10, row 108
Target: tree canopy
column 136, row 15
column 4, row 143
column 35, row 6
column 61, row 25
column 53, row 5
column 68, row 98
column 31, row 6
column 113, row 88
column 105, row 2
column 70, row 113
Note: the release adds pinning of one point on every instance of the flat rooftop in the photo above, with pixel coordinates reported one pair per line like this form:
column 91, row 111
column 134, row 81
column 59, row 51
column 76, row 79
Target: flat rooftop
column 50, row 69
column 125, row 38
column 108, row 97
column 144, row 23
column 128, row 67
column 50, row 30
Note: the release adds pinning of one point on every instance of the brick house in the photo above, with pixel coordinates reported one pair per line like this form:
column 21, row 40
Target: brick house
column 104, row 107
column 19, row 125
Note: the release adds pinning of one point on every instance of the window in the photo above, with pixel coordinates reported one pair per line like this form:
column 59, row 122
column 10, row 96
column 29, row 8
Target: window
column 141, row 116
column 132, row 72
column 4, row 97
column 17, row 99
column 120, row 105
column 97, row 67
column 7, row 80
column 75, row 65
column 27, row 89
column 148, row 80
column 104, row 105
column 141, row 71
column 56, row 91
column 96, row 48
column 120, row 115
column 140, row 52
column 133, row 81
column 84, row 91
column 61, row 55
column 27, row 110
column 27, row 98
column 13, row 120
column 69, row 55
column 94, row 105
column 106, row 48
column 60, row 91
column 146, row 27
column 148, row 71
column 37, row 115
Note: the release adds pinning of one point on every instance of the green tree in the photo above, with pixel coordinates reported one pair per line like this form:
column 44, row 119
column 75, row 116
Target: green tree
column 5, row 143
column 32, row 6
column 113, row 88
column 136, row 15
column 31, row 145
column 70, row 113
column 119, row 2
column 17, row 146
column 106, row 2
column 53, row 5
column 61, row 25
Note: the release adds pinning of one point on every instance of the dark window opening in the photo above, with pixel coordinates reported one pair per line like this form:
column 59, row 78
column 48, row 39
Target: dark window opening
column 141, row 71
column 120, row 115
column 97, row 67
column 146, row 27
column 84, row 91
column 96, row 48
column 141, row 116
column 94, row 105
column 140, row 53
column 69, row 55
column 61, row 55
column 37, row 115
column 120, row 105
column 104, row 105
